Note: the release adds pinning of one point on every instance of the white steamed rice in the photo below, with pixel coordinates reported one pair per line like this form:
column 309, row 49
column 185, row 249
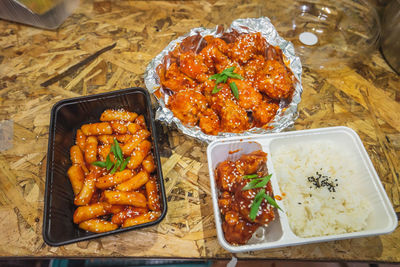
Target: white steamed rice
column 316, row 211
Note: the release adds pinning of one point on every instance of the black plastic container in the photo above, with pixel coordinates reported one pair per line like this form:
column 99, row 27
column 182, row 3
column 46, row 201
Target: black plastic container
column 67, row 116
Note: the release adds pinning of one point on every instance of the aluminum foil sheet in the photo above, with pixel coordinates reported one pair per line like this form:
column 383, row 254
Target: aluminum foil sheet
column 284, row 118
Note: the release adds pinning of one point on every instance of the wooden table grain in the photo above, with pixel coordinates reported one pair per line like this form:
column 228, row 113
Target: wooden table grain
column 363, row 95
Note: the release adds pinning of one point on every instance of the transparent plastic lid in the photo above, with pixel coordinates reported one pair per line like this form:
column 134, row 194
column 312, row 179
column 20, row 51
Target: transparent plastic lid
column 48, row 14
column 326, row 33
column 38, row 6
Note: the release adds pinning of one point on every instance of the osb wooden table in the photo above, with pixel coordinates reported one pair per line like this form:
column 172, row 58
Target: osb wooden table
column 364, row 96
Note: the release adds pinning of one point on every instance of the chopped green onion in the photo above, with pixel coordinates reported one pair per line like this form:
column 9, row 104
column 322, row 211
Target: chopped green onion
column 215, row 76
column 235, row 90
column 120, row 162
column 257, row 183
column 234, row 76
column 118, row 150
column 264, row 182
column 228, row 70
column 223, row 78
column 256, row 204
column 112, row 150
column 116, row 165
column 124, row 163
column 109, row 163
column 216, row 90
column 272, row 202
column 250, row 176
column 99, row 164
column 251, row 184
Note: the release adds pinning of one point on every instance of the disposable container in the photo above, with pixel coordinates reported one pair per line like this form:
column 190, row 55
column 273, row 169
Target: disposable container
column 66, row 117
column 278, row 233
column 328, row 33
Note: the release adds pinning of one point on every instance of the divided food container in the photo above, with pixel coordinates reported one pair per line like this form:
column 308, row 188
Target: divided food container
column 66, row 117
column 278, row 233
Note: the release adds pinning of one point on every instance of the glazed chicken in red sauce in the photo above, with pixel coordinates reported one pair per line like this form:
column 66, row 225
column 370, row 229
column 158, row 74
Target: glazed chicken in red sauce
column 256, row 81
column 237, row 196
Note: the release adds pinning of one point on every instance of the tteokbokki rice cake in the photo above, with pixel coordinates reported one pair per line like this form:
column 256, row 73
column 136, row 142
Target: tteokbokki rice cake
column 112, row 173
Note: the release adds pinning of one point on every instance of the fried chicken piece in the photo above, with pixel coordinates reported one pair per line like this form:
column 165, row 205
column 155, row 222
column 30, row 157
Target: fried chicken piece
column 246, row 46
column 176, row 52
column 209, row 39
column 227, row 203
column 234, row 203
column 220, row 44
column 206, row 89
column 209, row 122
column 217, row 100
column 187, row 106
column 251, row 163
column 274, row 80
column 245, row 199
column 248, row 96
column 274, row 53
column 215, row 58
column 264, row 113
column 236, row 230
column 174, row 79
column 212, row 56
column 253, row 66
column 233, row 118
column 226, row 175
column 193, row 66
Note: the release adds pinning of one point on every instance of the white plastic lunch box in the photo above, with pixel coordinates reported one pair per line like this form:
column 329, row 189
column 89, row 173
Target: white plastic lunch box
column 278, row 233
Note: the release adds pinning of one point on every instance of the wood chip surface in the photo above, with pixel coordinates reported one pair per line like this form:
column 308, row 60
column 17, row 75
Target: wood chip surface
column 363, row 94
